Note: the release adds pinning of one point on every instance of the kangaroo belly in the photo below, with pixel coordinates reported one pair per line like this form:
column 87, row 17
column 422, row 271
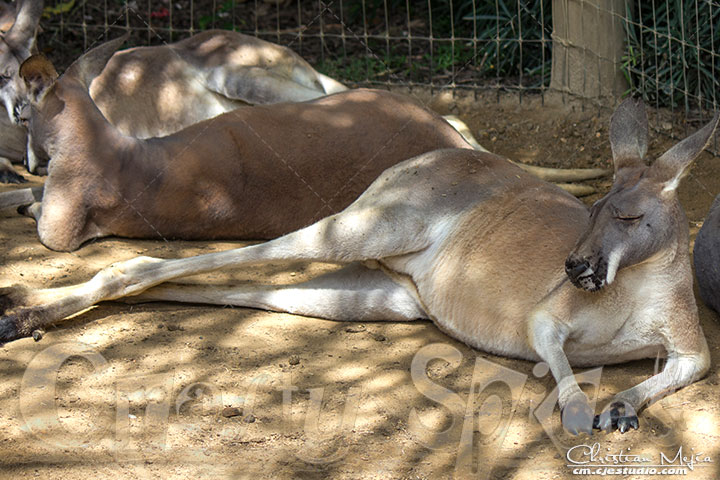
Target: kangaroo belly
column 506, row 256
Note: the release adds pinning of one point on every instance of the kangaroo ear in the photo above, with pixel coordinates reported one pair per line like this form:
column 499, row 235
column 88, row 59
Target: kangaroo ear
column 670, row 168
column 39, row 74
column 92, row 63
column 629, row 134
column 21, row 35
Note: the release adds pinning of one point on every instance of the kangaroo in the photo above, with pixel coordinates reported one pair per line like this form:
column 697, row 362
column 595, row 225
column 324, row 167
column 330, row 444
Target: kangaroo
column 706, row 257
column 493, row 256
column 256, row 172
column 17, row 42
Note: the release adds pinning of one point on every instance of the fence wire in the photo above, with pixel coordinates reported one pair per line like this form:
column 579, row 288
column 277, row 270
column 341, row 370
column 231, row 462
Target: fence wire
column 668, row 53
column 501, row 44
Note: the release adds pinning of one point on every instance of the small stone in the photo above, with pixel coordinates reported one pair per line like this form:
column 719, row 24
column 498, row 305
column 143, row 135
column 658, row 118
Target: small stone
column 356, row 329
column 249, row 418
column 37, row 335
column 294, row 360
column 229, row 412
column 378, row 337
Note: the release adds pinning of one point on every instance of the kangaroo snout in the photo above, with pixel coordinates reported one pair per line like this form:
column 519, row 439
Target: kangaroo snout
column 586, row 275
column 575, row 267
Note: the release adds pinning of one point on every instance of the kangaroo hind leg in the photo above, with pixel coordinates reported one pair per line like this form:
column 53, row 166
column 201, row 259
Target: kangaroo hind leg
column 354, row 292
column 361, row 232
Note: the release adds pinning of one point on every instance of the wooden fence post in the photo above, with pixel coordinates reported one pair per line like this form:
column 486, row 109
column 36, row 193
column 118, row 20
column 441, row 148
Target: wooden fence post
column 588, row 45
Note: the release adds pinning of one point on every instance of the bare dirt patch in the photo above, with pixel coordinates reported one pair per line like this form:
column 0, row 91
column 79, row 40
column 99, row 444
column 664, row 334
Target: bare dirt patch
column 189, row 391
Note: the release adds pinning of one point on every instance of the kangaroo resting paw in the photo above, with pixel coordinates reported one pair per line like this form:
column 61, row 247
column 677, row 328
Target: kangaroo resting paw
column 577, row 416
column 619, row 416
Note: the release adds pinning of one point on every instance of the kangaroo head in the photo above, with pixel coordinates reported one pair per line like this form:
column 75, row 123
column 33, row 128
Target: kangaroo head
column 59, row 110
column 640, row 219
column 15, row 46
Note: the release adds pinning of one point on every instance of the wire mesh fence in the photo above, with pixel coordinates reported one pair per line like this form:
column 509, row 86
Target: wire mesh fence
column 671, row 55
column 668, row 51
column 463, row 44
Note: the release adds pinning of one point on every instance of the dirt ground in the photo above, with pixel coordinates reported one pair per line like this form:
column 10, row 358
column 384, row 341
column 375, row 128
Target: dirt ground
column 189, row 391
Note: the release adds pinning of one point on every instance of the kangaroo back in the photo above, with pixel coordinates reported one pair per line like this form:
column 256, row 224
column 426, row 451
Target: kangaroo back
column 706, row 257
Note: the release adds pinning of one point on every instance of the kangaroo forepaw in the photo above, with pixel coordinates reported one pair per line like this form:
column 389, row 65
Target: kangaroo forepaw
column 577, row 417
column 620, row 416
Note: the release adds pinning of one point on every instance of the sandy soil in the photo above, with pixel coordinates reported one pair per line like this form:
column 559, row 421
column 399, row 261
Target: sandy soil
column 190, row 391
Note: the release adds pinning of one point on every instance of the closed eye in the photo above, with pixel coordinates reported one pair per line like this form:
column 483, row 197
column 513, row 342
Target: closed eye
column 628, row 218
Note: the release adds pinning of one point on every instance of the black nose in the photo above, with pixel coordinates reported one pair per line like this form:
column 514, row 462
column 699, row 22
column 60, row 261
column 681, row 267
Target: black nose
column 574, row 268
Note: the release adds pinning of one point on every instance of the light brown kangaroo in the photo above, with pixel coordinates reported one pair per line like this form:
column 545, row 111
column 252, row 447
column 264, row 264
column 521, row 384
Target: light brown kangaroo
column 493, row 256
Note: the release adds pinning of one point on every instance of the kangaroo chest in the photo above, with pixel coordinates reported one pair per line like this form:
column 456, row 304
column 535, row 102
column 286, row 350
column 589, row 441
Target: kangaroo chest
column 623, row 324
